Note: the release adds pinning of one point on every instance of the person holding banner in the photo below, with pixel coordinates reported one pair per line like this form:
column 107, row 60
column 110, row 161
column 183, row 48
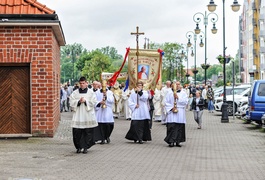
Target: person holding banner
column 139, row 130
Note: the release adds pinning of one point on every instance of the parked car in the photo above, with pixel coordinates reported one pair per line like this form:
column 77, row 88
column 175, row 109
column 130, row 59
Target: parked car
column 230, row 90
column 218, row 102
column 242, row 108
column 257, row 101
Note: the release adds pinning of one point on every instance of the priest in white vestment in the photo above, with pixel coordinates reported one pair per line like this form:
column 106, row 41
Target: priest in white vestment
column 164, row 92
column 82, row 102
column 157, row 105
column 176, row 120
column 127, row 111
column 139, row 130
column 104, row 114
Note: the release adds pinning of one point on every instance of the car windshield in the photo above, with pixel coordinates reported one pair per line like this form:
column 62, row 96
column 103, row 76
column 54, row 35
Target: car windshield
column 245, row 92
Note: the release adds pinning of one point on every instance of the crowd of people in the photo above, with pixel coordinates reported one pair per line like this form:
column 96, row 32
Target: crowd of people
column 95, row 107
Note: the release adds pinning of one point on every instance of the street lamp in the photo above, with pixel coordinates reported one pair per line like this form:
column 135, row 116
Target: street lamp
column 235, row 7
column 197, row 19
column 189, row 35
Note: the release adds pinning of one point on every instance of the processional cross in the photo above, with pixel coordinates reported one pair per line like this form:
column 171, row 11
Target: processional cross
column 137, row 34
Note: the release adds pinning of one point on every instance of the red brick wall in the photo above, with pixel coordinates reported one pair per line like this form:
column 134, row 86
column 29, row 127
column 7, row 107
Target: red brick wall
column 37, row 46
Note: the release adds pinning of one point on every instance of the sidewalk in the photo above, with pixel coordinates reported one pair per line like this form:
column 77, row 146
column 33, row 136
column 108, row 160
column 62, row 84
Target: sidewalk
column 218, row 151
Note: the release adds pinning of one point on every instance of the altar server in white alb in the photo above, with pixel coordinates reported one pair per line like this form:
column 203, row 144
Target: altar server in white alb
column 164, row 92
column 104, row 114
column 82, row 102
column 176, row 120
column 127, row 111
column 157, row 104
column 139, row 129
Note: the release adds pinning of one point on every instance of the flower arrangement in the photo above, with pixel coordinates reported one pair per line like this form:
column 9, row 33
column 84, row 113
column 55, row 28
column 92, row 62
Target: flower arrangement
column 195, row 71
column 205, row 66
column 223, row 59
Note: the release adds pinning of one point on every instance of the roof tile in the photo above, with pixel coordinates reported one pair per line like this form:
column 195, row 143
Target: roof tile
column 23, row 7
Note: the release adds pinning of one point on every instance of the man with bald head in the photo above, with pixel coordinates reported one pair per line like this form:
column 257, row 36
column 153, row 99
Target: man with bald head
column 95, row 86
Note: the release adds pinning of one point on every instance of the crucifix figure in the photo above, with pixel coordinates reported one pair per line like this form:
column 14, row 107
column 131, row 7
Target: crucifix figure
column 137, row 34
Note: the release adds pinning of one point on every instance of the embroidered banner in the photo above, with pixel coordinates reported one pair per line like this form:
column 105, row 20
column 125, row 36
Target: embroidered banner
column 148, row 70
column 107, row 76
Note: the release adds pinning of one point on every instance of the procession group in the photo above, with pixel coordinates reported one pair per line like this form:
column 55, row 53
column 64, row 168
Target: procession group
column 96, row 106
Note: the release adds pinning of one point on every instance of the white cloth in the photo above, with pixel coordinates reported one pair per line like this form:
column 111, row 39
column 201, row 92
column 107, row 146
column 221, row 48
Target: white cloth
column 126, row 109
column 204, row 93
column 182, row 101
column 105, row 115
column 164, row 92
column 142, row 112
column 84, row 115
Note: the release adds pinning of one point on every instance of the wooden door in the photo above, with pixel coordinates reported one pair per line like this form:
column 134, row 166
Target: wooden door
column 14, row 100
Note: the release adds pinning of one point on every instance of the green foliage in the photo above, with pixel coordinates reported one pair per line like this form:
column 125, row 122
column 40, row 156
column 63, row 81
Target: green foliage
column 95, row 64
column 77, row 61
column 70, row 55
column 220, row 82
column 172, row 65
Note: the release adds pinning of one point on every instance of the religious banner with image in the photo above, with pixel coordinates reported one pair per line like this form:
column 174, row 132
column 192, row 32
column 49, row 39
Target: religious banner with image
column 149, row 68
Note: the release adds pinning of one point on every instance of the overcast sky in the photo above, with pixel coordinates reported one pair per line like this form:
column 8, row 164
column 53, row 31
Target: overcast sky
column 101, row 23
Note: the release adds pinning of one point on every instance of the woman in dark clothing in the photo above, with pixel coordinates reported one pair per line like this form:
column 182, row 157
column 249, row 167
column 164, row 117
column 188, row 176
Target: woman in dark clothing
column 197, row 107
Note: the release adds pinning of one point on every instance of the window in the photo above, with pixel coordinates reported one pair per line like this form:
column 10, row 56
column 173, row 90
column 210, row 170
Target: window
column 261, row 90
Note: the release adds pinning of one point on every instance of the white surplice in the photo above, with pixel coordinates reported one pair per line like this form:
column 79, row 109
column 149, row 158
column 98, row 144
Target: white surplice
column 182, row 101
column 105, row 115
column 142, row 112
column 84, row 115
column 157, row 105
column 127, row 111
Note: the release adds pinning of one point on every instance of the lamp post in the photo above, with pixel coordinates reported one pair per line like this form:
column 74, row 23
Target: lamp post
column 197, row 19
column 235, row 7
column 189, row 35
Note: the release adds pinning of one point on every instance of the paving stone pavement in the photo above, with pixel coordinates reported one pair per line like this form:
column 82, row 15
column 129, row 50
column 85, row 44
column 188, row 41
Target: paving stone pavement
column 230, row 151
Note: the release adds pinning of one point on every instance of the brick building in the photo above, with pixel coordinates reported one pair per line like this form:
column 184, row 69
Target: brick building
column 30, row 40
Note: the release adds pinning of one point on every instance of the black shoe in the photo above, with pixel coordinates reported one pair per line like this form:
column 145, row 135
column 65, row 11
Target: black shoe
column 108, row 140
column 102, row 142
column 178, row 145
column 171, row 145
column 78, row 151
column 135, row 141
column 140, row 142
column 85, row 151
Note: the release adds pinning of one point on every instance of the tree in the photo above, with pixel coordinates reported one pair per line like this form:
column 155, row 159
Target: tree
column 95, row 64
column 111, row 52
column 69, row 57
column 172, row 65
